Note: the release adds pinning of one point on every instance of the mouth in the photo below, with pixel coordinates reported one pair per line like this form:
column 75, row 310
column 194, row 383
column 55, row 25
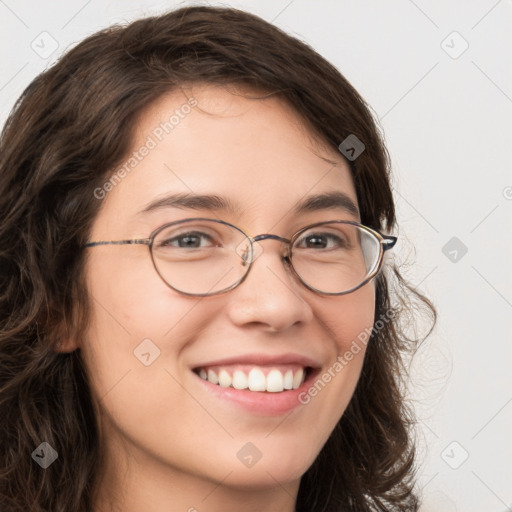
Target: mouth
column 262, row 385
column 256, row 378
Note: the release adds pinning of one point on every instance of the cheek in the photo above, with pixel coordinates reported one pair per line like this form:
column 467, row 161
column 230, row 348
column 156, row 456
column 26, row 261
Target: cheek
column 348, row 321
column 130, row 299
column 138, row 325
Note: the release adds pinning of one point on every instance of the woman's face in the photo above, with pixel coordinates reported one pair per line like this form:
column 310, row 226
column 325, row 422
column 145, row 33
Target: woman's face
column 146, row 343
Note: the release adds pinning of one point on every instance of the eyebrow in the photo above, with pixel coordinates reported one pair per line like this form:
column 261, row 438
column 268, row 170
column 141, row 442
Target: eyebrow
column 216, row 203
column 327, row 201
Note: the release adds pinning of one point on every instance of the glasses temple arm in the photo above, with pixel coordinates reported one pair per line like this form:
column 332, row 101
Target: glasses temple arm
column 144, row 241
column 388, row 242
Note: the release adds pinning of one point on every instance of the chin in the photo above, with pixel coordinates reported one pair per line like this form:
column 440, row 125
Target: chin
column 266, row 476
column 279, row 467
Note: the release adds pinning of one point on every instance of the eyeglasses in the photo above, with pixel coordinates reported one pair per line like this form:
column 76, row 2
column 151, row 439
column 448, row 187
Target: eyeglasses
column 202, row 256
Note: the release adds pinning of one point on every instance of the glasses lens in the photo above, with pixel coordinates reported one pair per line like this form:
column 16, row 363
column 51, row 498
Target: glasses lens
column 335, row 257
column 201, row 257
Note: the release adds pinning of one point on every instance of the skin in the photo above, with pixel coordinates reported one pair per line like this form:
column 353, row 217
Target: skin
column 168, row 445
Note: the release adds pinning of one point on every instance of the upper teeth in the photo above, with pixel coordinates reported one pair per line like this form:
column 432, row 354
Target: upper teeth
column 255, row 379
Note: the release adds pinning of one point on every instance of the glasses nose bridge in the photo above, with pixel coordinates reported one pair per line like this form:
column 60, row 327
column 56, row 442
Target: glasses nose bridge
column 266, row 236
column 270, row 236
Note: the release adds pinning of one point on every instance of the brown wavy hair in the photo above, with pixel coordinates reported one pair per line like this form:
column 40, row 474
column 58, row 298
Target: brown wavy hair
column 68, row 131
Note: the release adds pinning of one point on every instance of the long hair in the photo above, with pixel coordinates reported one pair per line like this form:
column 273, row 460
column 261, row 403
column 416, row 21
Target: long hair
column 68, row 131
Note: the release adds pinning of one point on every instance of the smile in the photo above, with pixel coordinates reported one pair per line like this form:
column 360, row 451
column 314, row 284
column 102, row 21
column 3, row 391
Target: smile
column 261, row 384
column 271, row 379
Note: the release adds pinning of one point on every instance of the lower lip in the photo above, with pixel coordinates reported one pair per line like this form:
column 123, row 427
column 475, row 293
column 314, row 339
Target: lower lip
column 261, row 402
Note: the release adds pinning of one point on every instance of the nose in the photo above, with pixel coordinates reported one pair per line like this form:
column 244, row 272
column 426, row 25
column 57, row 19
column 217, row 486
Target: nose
column 270, row 296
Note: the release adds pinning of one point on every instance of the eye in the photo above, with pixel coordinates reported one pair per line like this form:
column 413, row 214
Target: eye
column 322, row 241
column 190, row 240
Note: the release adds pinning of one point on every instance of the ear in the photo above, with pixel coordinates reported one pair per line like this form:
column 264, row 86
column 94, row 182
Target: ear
column 62, row 339
column 65, row 345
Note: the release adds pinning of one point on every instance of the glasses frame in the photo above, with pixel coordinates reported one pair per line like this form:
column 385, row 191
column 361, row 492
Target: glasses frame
column 386, row 242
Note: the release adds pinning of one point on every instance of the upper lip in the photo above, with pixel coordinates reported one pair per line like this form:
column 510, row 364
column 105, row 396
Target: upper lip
column 262, row 360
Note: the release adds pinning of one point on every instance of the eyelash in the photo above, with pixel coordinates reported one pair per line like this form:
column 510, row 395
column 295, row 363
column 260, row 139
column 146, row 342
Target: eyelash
column 338, row 240
column 184, row 235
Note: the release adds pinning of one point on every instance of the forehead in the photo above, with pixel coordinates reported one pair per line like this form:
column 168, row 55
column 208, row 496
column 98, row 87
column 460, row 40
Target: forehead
column 208, row 140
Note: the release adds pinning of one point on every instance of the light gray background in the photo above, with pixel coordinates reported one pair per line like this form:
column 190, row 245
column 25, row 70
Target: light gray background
column 446, row 114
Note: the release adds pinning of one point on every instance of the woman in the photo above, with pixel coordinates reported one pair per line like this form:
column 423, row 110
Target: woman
column 197, row 310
